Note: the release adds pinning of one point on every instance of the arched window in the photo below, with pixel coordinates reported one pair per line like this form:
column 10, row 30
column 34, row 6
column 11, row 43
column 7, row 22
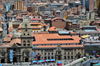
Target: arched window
column 24, row 41
column 28, row 33
column 26, row 25
column 24, row 33
column 28, row 41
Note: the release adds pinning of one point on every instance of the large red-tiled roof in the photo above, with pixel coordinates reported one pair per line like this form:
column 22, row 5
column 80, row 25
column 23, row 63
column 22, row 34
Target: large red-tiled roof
column 42, row 39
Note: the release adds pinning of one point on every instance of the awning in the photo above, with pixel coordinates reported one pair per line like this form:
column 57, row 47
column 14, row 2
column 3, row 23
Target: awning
column 34, row 61
column 85, row 36
column 41, row 61
column 59, row 62
column 90, row 55
column 0, row 64
column 47, row 60
column 52, row 60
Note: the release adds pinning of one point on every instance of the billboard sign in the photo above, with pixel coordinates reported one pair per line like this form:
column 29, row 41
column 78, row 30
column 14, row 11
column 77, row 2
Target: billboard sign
column 11, row 55
column 33, row 55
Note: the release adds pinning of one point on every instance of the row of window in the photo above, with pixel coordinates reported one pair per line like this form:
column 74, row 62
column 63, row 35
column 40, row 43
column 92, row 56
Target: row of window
column 26, row 45
column 25, row 34
column 26, row 41
column 74, row 26
column 60, row 39
column 58, row 20
column 54, row 44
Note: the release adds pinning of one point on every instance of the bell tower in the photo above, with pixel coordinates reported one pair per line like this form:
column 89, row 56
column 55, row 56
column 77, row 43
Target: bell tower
column 26, row 34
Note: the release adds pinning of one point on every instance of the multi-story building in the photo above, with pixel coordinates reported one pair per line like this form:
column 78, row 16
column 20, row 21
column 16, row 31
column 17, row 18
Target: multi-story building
column 72, row 25
column 97, row 3
column 18, row 4
column 45, row 46
column 89, row 4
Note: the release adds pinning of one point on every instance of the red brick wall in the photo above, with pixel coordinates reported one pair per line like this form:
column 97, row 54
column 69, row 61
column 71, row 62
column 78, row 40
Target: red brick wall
column 59, row 24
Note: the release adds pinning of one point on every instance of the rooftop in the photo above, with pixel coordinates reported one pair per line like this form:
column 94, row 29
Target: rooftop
column 42, row 39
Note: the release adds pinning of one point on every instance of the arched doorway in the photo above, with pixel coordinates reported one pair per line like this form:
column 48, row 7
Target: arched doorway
column 26, row 59
column 15, row 59
column 38, row 57
column 78, row 56
column 2, row 61
column 59, row 57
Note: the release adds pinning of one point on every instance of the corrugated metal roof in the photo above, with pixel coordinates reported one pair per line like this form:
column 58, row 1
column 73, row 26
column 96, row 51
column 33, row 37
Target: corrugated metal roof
column 63, row 32
column 56, row 4
column 58, row 11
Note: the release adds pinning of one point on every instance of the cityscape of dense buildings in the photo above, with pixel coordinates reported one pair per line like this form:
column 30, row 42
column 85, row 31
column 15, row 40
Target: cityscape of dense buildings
column 51, row 29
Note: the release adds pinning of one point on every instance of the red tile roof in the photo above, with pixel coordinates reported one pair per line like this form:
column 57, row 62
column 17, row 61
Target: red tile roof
column 42, row 39
column 52, row 29
column 8, row 37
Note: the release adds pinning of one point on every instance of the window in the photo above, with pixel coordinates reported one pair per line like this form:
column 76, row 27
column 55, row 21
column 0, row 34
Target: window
column 57, row 20
column 72, row 53
column 48, row 57
column 3, row 54
column 24, row 33
column 28, row 41
column 48, row 53
column 28, row 33
column 26, row 25
column 26, row 30
column 28, row 44
column 24, row 41
column 71, row 57
column 68, row 53
column 24, row 44
column 52, row 53
column 64, row 57
column 65, row 53
column 68, row 57
column 14, row 49
column 45, row 53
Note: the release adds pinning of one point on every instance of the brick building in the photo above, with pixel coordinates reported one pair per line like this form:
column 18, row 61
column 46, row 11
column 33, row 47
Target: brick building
column 58, row 22
column 72, row 25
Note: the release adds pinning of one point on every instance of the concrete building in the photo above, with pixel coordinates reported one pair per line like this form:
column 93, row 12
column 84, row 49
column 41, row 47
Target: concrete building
column 18, row 4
